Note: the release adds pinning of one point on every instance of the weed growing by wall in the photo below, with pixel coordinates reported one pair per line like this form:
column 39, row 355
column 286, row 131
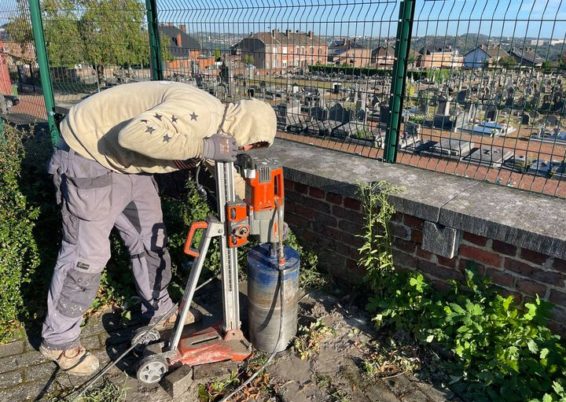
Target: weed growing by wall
column 497, row 349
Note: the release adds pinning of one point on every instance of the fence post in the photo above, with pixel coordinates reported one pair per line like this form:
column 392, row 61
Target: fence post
column 402, row 46
column 154, row 41
column 44, row 75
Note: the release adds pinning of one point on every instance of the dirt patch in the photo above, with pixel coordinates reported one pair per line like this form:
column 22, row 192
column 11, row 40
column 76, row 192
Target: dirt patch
column 328, row 361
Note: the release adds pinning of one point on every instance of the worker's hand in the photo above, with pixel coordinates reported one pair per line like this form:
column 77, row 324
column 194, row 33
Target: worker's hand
column 220, row 148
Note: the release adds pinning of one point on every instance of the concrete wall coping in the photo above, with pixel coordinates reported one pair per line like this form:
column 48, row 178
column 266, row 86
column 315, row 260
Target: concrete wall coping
column 524, row 219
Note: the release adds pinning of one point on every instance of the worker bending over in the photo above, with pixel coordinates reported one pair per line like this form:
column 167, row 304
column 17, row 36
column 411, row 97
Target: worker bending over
column 114, row 142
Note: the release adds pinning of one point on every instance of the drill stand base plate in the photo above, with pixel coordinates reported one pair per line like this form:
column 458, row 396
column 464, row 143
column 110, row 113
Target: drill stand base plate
column 211, row 346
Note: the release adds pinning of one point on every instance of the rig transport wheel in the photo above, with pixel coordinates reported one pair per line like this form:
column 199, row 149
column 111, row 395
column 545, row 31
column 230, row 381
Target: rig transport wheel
column 141, row 338
column 152, row 369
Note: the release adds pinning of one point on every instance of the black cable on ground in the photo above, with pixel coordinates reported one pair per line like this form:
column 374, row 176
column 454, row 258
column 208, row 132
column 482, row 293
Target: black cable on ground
column 89, row 383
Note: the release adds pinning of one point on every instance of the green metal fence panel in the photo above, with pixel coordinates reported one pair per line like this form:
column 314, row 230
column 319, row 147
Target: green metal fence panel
column 483, row 95
column 402, row 47
column 43, row 63
column 21, row 100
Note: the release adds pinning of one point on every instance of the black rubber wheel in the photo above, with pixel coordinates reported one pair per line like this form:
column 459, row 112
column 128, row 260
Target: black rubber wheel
column 141, row 338
column 152, row 369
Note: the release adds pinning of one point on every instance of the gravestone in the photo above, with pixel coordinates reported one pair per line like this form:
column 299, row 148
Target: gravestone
column 339, row 113
column 525, row 119
column 462, row 96
column 423, row 104
column 319, row 113
column 493, row 157
column 491, row 113
column 384, row 114
column 552, row 120
column 450, row 148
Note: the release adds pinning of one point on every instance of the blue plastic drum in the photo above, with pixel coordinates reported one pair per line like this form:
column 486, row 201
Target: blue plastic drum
column 273, row 298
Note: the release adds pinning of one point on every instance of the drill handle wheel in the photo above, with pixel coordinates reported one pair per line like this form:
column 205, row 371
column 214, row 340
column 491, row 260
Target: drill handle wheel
column 200, row 225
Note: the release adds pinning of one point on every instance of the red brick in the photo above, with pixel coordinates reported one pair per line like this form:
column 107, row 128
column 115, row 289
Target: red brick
column 289, row 185
column 481, row 255
column 448, row 262
column 321, row 206
column 557, row 297
column 559, row 265
column 439, row 272
column 504, row 248
column 530, row 288
column 472, row 238
column 401, row 259
column 352, row 265
column 400, row 230
column 552, row 278
column 348, row 214
column 413, row 221
column 352, row 203
column 417, row 236
column 506, row 292
column 316, row 192
column 469, row 264
column 301, row 188
column 397, row 217
column 518, row 266
column 533, row 256
column 404, row 245
column 334, row 198
column 500, row 278
column 350, row 227
column 301, row 210
column 321, row 219
column 424, row 254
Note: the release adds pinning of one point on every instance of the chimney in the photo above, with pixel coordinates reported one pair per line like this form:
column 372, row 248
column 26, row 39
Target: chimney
column 309, row 34
column 183, row 27
column 179, row 40
column 273, row 32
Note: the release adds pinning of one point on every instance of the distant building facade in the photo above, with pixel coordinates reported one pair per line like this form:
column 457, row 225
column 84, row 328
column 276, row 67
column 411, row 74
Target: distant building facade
column 282, row 50
column 349, row 52
column 383, row 56
column 484, row 56
column 185, row 51
column 526, row 57
column 445, row 57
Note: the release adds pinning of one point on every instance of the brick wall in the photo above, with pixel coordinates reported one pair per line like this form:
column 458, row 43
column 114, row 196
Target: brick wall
column 329, row 223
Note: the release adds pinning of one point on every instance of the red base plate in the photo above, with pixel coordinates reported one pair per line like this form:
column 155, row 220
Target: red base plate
column 210, row 346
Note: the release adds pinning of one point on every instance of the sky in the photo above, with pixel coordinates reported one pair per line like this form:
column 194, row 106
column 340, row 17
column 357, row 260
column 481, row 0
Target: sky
column 375, row 18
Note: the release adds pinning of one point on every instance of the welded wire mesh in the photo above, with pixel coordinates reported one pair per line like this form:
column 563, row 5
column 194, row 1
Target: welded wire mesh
column 484, row 92
column 21, row 101
column 324, row 66
column 491, row 101
column 93, row 45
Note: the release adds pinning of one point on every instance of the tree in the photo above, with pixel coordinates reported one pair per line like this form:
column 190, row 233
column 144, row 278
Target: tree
column 507, row 62
column 111, row 33
column 248, row 59
column 217, row 54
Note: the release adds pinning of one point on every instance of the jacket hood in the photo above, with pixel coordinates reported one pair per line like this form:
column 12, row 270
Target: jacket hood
column 250, row 121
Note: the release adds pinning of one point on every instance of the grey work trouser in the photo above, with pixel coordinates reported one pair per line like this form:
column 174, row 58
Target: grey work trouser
column 94, row 200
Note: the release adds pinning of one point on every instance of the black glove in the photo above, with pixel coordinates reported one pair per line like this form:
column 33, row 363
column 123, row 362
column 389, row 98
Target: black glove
column 220, row 148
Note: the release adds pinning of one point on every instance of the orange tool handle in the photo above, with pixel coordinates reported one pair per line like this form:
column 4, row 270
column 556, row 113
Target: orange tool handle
column 193, row 252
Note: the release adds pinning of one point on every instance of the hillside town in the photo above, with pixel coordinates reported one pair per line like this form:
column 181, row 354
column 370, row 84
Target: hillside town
column 497, row 104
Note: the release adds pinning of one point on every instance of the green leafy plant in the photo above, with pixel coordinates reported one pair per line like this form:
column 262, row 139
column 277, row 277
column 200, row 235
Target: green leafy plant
column 496, row 348
column 310, row 337
column 19, row 255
